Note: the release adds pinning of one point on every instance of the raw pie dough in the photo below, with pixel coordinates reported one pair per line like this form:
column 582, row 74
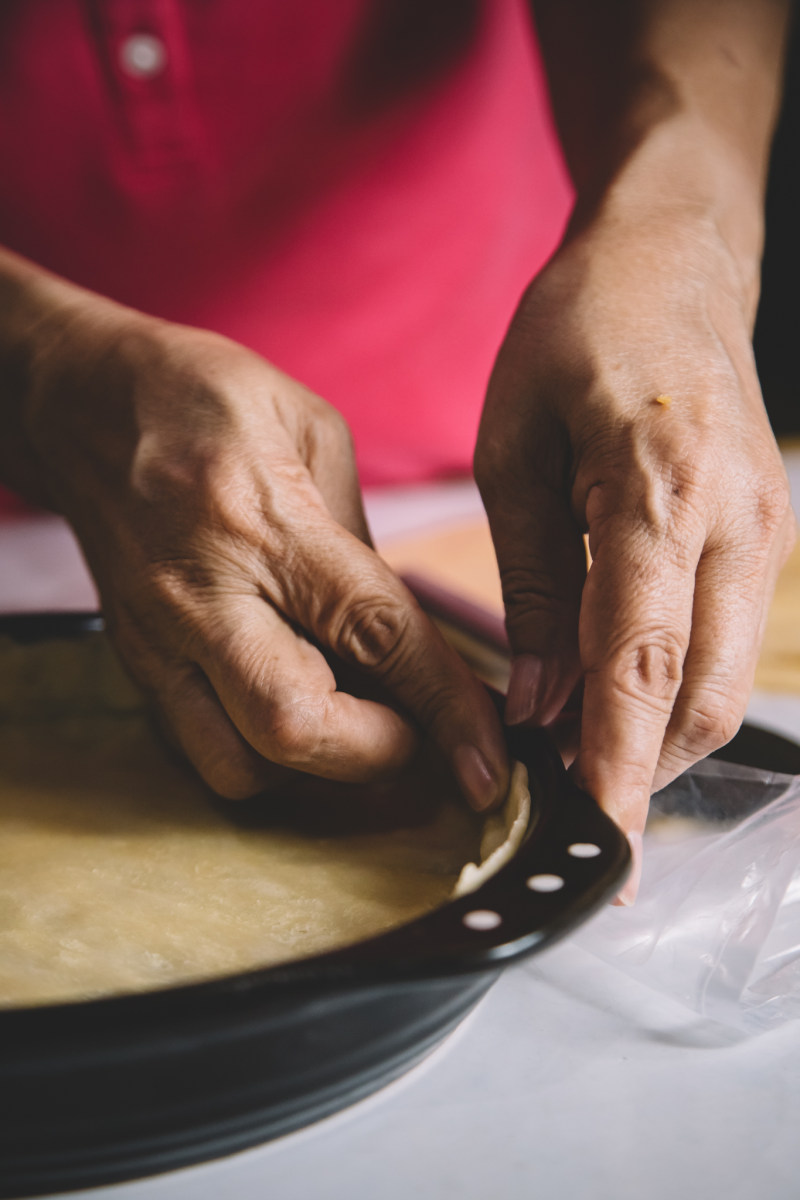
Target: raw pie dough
column 121, row 872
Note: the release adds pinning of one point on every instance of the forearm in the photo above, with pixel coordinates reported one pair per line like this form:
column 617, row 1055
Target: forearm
column 37, row 311
column 669, row 106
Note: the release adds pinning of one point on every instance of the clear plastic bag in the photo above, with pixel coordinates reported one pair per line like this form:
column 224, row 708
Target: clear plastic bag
column 717, row 921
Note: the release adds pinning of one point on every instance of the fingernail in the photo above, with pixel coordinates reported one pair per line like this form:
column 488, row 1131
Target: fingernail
column 524, row 688
column 476, row 780
column 629, row 892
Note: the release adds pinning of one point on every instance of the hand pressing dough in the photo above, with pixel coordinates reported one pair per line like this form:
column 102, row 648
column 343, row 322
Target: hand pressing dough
column 120, row 872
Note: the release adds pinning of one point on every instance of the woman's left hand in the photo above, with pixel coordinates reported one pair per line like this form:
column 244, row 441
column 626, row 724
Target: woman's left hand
column 625, row 404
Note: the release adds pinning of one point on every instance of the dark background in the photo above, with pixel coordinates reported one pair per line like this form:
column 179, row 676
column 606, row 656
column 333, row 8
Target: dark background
column 777, row 334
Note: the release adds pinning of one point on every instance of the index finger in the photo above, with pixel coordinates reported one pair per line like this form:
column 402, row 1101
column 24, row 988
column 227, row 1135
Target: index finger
column 282, row 697
column 342, row 592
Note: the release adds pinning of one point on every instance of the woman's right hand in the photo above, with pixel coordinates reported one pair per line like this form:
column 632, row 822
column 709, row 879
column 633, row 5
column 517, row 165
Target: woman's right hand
column 217, row 503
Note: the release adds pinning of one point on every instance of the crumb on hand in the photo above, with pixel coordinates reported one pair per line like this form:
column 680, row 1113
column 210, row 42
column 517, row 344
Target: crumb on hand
column 664, row 401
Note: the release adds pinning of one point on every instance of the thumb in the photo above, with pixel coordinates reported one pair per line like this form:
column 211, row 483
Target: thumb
column 542, row 561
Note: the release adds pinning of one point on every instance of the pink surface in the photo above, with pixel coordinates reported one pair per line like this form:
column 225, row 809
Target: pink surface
column 359, row 191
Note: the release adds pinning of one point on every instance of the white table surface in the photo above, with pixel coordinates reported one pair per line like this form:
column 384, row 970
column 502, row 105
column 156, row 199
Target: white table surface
column 570, row 1080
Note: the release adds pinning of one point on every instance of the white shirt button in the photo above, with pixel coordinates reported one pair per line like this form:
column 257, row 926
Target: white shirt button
column 143, row 55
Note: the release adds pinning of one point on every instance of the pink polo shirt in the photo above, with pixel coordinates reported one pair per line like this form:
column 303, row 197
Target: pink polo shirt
column 359, row 190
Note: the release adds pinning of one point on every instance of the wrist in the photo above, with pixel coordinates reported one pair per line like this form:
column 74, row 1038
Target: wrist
column 691, row 196
column 24, row 312
column 41, row 333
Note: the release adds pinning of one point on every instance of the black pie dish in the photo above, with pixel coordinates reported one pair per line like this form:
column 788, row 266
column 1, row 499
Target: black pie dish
column 111, row 1089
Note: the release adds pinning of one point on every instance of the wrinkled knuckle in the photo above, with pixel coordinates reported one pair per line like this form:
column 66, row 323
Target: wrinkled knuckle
column 372, row 634
column 772, row 502
column 709, row 723
column 530, row 593
column 659, row 485
column 294, row 739
column 649, row 672
column 674, row 759
column 438, row 702
column 684, row 487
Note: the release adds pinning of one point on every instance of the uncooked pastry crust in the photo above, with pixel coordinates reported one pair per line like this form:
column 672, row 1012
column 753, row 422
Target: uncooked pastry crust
column 120, row 872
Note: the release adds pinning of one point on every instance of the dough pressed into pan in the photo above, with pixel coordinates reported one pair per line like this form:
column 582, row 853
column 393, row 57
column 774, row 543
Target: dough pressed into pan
column 120, row 872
